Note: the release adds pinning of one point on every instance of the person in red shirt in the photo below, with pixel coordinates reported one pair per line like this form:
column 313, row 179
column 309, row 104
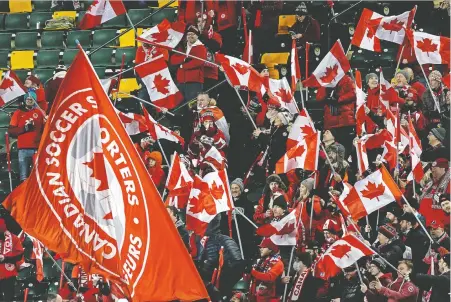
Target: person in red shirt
column 153, row 162
column 26, row 125
column 11, row 251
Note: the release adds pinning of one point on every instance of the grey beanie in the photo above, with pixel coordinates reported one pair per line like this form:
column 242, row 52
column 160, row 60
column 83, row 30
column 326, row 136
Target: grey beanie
column 404, row 73
column 435, row 75
column 439, row 133
column 371, row 75
column 239, row 183
column 308, row 183
column 285, row 117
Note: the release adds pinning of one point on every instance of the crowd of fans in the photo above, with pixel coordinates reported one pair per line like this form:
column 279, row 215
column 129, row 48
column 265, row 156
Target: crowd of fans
column 422, row 266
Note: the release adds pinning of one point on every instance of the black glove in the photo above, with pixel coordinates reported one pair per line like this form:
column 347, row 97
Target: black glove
column 29, row 127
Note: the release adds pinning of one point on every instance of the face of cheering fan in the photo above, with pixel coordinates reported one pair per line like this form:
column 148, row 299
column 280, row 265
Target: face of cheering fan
column 373, row 82
column 202, row 101
column 236, row 191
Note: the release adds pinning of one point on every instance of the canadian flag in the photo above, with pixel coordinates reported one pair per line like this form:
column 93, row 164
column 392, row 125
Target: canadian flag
column 360, row 114
column 341, row 254
column 415, row 151
column 281, row 91
column 393, row 28
column 133, row 123
column 372, row 193
column 400, row 136
column 302, row 126
column 430, row 49
column 364, row 35
column 158, row 131
column 215, row 158
column 38, row 252
column 165, row 34
column 304, row 155
column 102, row 11
column 209, row 196
column 387, row 93
column 446, row 80
column 332, row 68
column 10, row 88
column 161, row 88
column 179, row 183
column 295, row 68
column 389, row 154
column 284, row 231
column 248, row 49
column 340, row 200
column 362, row 156
column 241, row 74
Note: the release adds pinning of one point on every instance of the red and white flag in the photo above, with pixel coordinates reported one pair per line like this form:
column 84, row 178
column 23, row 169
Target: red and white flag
column 209, row 196
column 165, row 34
column 389, row 154
column 10, row 88
column 304, row 155
column 161, row 87
column 179, row 183
column 133, row 123
column 241, row 74
column 214, row 158
column 102, row 11
column 302, row 126
column 281, row 91
column 158, row 131
column 248, row 52
column 446, row 80
column 430, row 49
column 295, row 68
column 340, row 200
column 360, row 114
column 332, row 68
column 38, row 252
column 364, row 34
column 387, row 93
column 362, row 156
column 393, row 28
column 341, row 254
column 415, row 151
column 372, row 193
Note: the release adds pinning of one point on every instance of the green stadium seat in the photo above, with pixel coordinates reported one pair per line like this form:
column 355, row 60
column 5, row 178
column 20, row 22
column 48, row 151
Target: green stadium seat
column 44, row 73
column 2, row 21
column 52, row 40
column 47, row 58
column 68, row 56
column 137, row 15
column 5, row 40
column 4, row 59
column 129, row 55
column 166, row 13
column 42, row 5
column 4, row 122
column 101, row 36
column 117, row 22
column 84, row 36
column 26, row 40
column 22, row 74
column 100, row 72
column 37, row 19
column 16, row 21
column 102, row 57
column 80, row 16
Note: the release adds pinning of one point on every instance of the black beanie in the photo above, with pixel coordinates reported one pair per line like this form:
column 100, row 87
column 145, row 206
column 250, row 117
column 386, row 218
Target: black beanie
column 280, row 202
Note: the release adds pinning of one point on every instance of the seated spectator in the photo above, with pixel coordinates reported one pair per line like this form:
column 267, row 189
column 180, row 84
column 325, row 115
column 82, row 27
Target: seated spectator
column 305, row 29
column 440, row 91
column 26, row 125
column 153, row 162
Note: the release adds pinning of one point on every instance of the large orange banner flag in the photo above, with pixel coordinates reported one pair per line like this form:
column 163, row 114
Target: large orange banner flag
column 90, row 198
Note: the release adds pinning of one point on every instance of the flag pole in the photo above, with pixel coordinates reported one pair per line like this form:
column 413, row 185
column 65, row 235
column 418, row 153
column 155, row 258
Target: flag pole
column 8, row 159
column 358, row 272
column 245, row 108
column 250, row 221
column 288, row 273
column 416, row 217
column 400, row 58
column 169, row 175
column 191, row 56
column 69, row 282
column 328, row 159
column 162, row 152
column 149, row 103
column 411, row 160
column 302, row 96
column 119, row 78
column 238, row 233
column 130, row 28
column 430, row 89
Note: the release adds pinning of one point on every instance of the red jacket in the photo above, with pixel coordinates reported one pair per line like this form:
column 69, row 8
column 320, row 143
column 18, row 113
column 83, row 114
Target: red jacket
column 213, row 42
column 400, row 291
column 346, row 99
column 264, row 283
column 372, row 101
column 10, row 248
column 190, row 70
column 419, row 87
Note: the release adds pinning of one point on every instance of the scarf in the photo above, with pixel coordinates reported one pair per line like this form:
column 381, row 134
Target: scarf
column 6, row 247
column 297, row 288
column 264, row 265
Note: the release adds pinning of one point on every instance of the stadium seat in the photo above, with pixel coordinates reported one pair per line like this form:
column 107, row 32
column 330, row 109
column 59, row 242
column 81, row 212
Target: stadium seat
column 128, row 39
column 42, row 5
column 285, row 21
column 117, row 22
column 52, row 40
column 68, row 56
column 272, row 59
column 84, row 36
column 163, row 2
column 22, row 59
column 80, row 16
column 4, row 122
column 139, row 32
column 100, row 72
column 70, row 14
column 47, row 58
column 102, row 57
column 43, row 73
column 16, row 21
column 127, row 85
column 129, row 52
column 38, row 19
column 166, row 13
column 101, row 36
column 22, row 74
column 137, row 15
column 26, row 40
column 20, row 6
column 5, row 40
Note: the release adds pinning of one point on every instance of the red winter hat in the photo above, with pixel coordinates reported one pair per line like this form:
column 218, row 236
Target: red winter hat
column 34, row 80
column 2, row 225
column 267, row 242
column 207, row 116
column 388, row 231
column 437, row 224
column 441, row 163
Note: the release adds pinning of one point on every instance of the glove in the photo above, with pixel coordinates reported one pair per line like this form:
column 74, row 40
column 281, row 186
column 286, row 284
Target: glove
column 29, row 126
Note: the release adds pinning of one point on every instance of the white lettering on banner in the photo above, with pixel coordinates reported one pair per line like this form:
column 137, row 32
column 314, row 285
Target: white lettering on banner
column 130, row 265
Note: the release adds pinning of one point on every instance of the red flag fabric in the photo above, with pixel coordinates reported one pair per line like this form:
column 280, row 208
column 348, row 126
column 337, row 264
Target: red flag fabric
column 248, row 51
column 10, row 88
column 362, row 156
column 393, row 28
column 37, row 254
column 158, row 131
column 281, row 91
column 179, row 183
column 415, row 151
column 102, row 11
column 430, row 49
column 340, row 200
column 360, row 114
column 165, row 34
column 295, row 68
column 341, row 254
column 133, row 123
column 388, row 94
column 90, row 197
column 389, row 154
column 446, row 80
column 364, row 35
column 214, row 158
column 161, row 87
column 302, row 126
column 331, row 69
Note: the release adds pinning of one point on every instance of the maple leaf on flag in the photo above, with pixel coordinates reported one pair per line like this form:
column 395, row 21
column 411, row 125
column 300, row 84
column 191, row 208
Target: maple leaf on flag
column 307, row 130
column 330, row 74
column 340, row 250
column 299, row 150
column 161, row 84
column 373, row 191
column 427, row 46
column 286, row 229
column 284, row 94
column 240, row 68
column 97, row 165
column 160, row 37
column 216, row 191
column 7, row 83
column 393, row 25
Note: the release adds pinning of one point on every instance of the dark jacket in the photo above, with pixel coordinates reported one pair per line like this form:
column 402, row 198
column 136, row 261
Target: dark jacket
column 393, row 251
column 440, row 285
column 432, row 153
column 418, row 241
column 348, row 290
column 276, row 140
column 183, row 233
column 429, row 104
column 310, row 30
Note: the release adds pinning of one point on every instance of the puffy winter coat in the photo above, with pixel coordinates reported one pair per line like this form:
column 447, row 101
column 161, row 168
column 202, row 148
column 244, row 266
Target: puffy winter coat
column 339, row 111
column 190, row 70
column 440, row 285
column 417, row 240
column 392, row 251
column 400, row 290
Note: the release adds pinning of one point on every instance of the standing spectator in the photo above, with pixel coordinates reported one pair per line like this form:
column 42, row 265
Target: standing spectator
column 54, row 84
column 349, row 289
column 414, row 81
column 437, row 148
column 304, row 285
column 445, row 203
column 373, row 101
column 273, row 189
column 33, row 83
column 11, row 251
column 390, row 246
column 153, row 162
column 376, row 271
column 26, row 125
column 306, row 28
column 439, row 91
column 266, row 272
column 439, row 235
